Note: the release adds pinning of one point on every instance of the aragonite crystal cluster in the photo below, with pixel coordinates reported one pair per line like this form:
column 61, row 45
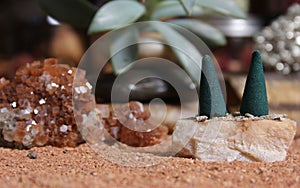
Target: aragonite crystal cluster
column 135, row 115
column 36, row 106
column 45, row 105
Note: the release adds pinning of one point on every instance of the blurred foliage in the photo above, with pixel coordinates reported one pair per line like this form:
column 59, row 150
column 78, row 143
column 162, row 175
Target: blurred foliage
column 101, row 16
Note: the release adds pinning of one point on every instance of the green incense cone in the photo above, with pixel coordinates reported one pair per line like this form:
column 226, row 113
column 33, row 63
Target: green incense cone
column 211, row 99
column 255, row 100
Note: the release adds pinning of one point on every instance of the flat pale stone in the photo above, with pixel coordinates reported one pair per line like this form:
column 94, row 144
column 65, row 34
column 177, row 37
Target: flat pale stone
column 235, row 138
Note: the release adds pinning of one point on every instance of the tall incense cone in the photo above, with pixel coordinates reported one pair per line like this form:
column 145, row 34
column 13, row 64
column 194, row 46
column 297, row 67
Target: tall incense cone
column 211, row 99
column 255, row 100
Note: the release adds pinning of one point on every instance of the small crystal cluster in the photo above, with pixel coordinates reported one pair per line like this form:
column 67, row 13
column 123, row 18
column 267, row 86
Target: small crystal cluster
column 137, row 117
column 36, row 106
column 45, row 105
column 279, row 43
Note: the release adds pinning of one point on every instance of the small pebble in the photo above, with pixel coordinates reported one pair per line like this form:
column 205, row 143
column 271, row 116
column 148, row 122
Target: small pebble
column 94, row 173
column 201, row 118
column 249, row 115
column 32, row 155
column 252, row 180
column 281, row 119
column 235, row 114
column 278, row 117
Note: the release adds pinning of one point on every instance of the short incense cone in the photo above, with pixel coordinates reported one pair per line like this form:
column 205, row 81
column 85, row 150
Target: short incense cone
column 255, row 99
column 252, row 136
column 211, row 100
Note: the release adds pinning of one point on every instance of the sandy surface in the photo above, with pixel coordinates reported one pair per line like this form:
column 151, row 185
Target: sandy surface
column 82, row 167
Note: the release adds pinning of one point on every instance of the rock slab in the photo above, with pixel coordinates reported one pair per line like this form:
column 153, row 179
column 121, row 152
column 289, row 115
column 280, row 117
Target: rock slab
column 235, row 139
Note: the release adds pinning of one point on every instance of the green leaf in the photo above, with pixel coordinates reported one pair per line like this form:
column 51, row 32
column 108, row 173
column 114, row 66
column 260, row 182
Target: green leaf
column 78, row 13
column 206, row 31
column 228, row 7
column 187, row 5
column 116, row 14
column 187, row 54
column 173, row 9
column 122, row 54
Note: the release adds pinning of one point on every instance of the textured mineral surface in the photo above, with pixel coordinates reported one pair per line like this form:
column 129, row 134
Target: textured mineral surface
column 130, row 127
column 52, row 104
column 36, row 106
column 241, row 138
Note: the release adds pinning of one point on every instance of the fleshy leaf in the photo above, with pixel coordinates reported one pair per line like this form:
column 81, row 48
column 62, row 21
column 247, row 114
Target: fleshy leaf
column 123, row 55
column 172, row 9
column 204, row 30
column 228, row 7
column 116, row 14
column 187, row 5
column 186, row 52
column 78, row 13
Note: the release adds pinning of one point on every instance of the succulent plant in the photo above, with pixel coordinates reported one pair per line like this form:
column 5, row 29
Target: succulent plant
column 114, row 14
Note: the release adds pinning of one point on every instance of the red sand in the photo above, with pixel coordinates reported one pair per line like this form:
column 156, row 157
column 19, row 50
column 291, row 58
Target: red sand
column 82, row 167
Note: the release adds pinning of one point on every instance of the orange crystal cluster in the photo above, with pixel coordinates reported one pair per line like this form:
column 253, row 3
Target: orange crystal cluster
column 136, row 115
column 45, row 105
column 36, row 106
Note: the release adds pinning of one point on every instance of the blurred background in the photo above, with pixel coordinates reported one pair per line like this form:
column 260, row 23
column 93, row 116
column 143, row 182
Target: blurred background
column 27, row 33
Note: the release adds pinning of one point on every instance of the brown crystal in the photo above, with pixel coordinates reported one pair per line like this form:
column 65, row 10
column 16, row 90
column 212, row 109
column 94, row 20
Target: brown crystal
column 128, row 136
column 36, row 109
column 36, row 106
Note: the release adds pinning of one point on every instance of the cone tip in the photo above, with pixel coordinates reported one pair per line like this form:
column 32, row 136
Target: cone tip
column 256, row 53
